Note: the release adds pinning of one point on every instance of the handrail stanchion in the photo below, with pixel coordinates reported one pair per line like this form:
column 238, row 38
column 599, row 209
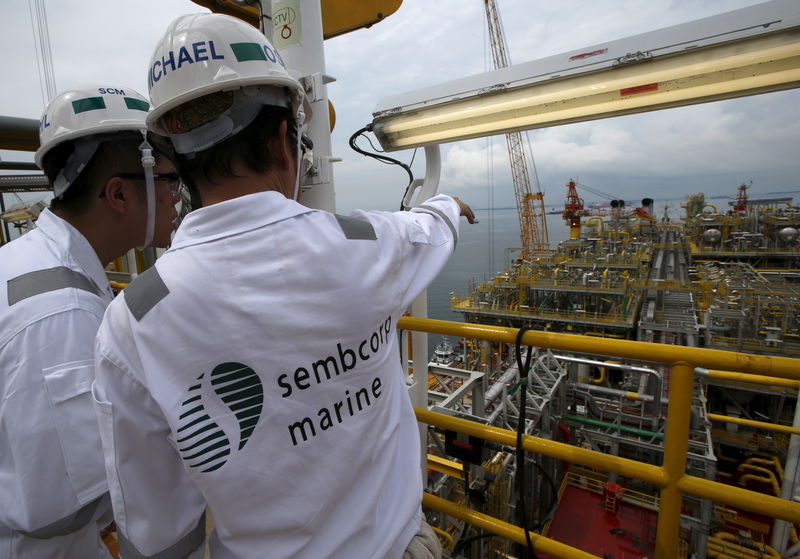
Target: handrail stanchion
column 676, row 445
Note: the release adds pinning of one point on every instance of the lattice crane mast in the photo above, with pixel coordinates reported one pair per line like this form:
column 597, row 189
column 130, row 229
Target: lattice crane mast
column 532, row 224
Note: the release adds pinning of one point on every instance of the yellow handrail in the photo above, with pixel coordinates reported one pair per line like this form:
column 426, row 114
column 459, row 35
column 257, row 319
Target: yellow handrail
column 753, row 423
column 504, row 529
column 718, row 359
column 753, row 379
column 623, row 466
column 671, row 477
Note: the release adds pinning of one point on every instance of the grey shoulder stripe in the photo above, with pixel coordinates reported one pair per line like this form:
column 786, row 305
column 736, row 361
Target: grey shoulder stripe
column 43, row 281
column 446, row 219
column 179, row 550
column 355, row 229
column 68, row 524
column 143, row 293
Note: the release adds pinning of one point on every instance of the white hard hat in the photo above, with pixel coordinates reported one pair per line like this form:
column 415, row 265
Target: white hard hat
column 202, row 54
column 87, row 111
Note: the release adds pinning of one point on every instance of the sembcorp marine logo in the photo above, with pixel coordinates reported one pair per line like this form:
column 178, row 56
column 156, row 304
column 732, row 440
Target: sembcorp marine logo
column 230, row 390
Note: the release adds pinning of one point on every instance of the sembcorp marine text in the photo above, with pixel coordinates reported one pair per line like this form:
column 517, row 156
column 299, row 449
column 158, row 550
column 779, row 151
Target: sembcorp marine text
column 322, row 370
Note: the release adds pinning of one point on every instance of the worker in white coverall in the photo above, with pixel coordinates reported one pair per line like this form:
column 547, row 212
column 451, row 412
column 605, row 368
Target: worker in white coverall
column 53, row 292
column 255, row 369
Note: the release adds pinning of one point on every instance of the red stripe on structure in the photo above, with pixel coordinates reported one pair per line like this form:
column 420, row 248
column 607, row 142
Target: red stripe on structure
column 638, row 89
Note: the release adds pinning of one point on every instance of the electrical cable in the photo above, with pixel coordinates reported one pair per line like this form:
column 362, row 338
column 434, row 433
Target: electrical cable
column 553, row 497
column 379, row 157
column 524, row 369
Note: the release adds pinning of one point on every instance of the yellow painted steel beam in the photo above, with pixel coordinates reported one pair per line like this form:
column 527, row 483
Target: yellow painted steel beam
column 756, row 424
column 606, row 462
column 700, row 357
column 504, row 529
column 445, row 466
column 741, row 498
column 676, row 444
column 753, row 379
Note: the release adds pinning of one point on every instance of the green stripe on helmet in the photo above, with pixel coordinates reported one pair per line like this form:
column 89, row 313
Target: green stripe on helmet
column 137, row 104
column 88, row 104
column 245, row 52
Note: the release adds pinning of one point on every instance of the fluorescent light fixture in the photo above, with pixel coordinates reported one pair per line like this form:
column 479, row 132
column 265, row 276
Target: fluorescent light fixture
column 745, row 52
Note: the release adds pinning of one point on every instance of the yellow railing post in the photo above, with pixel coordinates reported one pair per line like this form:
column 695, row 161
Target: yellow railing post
column 676, row 444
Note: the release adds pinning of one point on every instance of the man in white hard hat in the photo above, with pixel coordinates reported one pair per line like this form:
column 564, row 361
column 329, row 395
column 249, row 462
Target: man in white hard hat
column 255, row 370
column 112, row 193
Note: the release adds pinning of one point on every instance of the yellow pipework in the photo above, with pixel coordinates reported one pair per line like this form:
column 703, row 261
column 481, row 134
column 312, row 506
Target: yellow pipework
column 756, row 424
column 769, row 461
column 598, row 220
column 716, row 211
column 726, row 549
column 503, row 529
column 763, row 479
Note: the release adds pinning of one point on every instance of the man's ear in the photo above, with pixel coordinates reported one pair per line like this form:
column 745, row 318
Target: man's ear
column 118, row 194
column 279, row 146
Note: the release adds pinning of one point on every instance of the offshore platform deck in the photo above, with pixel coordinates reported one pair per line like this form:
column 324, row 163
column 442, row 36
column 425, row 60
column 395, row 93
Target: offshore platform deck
column 713, row 280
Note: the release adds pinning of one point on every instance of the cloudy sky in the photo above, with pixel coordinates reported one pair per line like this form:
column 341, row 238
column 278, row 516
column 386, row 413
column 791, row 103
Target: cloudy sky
column 667, row 154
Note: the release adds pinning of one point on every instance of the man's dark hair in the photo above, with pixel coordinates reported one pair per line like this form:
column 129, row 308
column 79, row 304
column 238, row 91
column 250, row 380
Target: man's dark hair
column 247, row 147
column 118, row 154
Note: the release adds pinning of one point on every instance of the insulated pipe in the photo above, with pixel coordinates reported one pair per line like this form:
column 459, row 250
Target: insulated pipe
column 657, row 400
column 511, row 374
column 613, row 392
column 636, row 396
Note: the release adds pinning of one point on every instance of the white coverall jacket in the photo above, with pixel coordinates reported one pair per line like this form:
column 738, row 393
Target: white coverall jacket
column 255, row 370
column 53, row 491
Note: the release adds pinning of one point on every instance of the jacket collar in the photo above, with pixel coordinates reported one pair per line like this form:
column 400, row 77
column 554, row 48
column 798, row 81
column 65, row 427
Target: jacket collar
column 73, row 247
column 235, row 216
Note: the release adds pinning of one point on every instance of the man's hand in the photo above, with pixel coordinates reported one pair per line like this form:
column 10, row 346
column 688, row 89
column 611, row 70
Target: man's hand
column 466, row 211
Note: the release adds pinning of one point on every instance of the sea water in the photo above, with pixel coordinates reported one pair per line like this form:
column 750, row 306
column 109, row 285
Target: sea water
column 484, row 249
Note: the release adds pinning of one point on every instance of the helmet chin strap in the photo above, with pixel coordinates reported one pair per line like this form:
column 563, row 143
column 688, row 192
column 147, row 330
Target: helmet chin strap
column 148, row 162
column 300, row 118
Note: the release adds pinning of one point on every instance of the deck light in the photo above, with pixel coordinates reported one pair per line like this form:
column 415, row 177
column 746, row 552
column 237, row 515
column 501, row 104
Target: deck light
column 745, row 52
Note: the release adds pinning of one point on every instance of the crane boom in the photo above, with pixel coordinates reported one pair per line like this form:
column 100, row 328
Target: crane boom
column 532, row 224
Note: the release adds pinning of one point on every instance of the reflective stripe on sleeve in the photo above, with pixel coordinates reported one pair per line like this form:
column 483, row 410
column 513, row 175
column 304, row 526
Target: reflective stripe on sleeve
column 67, row 525
column 43, row 281
column 143, row 293
column 180, row 550
column 446, row 219
column 356, row 229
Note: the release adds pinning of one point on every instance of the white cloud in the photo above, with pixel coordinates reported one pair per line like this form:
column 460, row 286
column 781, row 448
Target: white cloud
column 711, row 147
